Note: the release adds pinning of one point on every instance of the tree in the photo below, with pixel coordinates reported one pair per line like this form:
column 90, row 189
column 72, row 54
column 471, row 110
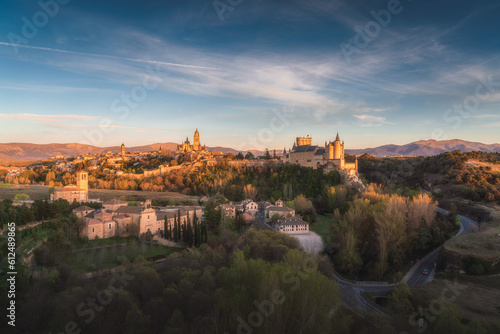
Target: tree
column 175, row 324
column 399, row 301
column 136, row 322
column 267, row 156
column 250, row 192
column 21, row 197
column 176, row 230
column 450, row 320
column 305, row 208
column 249, row 156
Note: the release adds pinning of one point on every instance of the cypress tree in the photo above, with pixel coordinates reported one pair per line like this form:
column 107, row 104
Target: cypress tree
column 175, row 229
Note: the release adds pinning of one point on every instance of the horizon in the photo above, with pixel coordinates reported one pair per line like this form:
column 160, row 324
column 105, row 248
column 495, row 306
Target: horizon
column 270, row 148
column 253, row 76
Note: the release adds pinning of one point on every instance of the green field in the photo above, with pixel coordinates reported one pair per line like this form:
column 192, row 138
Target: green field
column 27, row 243
column 322, row 227
column 41, row 192
column 105, row 257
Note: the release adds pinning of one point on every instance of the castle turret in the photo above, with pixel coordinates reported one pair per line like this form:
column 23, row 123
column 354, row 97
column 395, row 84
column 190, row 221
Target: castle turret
column 337, row 148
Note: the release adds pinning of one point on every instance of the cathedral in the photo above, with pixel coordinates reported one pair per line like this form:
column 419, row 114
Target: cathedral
column 186, row 147
column 331, row 156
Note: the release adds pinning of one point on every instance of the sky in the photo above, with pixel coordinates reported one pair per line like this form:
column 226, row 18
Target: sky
column 249, row 74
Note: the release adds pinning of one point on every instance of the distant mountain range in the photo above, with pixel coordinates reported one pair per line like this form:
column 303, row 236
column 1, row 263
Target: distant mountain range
column 427, row 148
column 23, row 151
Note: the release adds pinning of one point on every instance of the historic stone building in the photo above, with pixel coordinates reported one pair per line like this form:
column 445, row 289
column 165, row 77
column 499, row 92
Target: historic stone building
column 331, row 156
column 187, row 147
column 74, row 193
column 125, row 220
column 291, row 226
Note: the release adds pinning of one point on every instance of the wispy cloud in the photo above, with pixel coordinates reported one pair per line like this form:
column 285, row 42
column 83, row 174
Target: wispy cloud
column 154, row 62
column 370, row 120
column 36, row 117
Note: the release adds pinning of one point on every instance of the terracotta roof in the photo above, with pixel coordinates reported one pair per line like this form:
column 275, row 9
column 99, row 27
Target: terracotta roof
column 114, row 202
column 83, row 208
column 130, row 209
column 94, row 222
column 247, row 217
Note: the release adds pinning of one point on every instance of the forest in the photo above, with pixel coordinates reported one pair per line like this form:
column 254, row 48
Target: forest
column 379, row 232
column 450, row 168
column 273, row 182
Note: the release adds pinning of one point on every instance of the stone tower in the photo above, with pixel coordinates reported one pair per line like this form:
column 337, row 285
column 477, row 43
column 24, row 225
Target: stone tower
column 196, row 140
column 123, row 149
column 82, row 180
column 337, row 148
column 304, row 141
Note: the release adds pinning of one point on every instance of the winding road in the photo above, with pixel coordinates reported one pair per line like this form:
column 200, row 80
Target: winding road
column 353, row 292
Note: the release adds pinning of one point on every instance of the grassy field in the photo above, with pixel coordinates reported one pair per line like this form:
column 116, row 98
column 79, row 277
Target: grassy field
column 118, row 250
column 478, row 297
column 322, row 227
column 5, row 185
column 33, row 191
column 40, row 192
column 484, row 244
column 105, row 195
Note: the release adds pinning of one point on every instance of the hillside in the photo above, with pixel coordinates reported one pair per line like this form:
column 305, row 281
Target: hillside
column 427, row 148
column 27, row 151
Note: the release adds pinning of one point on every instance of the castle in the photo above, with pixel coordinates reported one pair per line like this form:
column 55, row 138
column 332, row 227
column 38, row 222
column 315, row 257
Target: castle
column 305, row 154
column 186, row 147
column 72, row 193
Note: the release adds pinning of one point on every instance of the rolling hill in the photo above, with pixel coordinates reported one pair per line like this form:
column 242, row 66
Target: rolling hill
column 25, row 151
column 427, row 148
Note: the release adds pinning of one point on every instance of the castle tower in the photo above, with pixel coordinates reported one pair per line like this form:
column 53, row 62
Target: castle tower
column 304, row 141
column 337, row 148
column 82, row 180
column 123, row 149
column 330, row 151
column 196, row 140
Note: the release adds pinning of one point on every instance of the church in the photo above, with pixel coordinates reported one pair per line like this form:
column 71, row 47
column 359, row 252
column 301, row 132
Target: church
column 74, row 193
column 187, row 147
column 331, row 156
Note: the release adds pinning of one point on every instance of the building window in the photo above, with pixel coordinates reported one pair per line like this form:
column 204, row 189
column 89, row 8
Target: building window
column 92, row 230
column 110, row 226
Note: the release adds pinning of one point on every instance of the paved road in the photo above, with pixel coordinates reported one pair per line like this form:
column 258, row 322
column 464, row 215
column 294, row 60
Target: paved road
column 261, row 218
column 353, row 291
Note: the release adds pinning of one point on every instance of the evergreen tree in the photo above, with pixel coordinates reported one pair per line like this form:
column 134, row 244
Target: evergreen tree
column 176, row 229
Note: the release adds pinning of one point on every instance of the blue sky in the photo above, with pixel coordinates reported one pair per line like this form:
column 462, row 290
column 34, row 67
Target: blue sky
column 107, row 72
